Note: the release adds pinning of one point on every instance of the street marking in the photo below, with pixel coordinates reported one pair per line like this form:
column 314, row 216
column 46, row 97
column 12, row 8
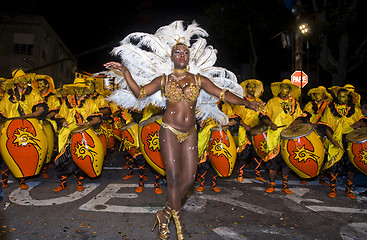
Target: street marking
column 298, row 193
column 22, row 197
column 354, row 231
column 336, row 209
column 99, row 203
column 228, row 233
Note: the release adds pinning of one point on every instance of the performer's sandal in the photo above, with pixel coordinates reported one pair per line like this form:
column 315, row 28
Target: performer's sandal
column 163, row 230
column 180, row 228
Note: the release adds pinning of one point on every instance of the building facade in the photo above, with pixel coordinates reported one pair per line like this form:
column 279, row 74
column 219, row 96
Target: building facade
column 29, row 42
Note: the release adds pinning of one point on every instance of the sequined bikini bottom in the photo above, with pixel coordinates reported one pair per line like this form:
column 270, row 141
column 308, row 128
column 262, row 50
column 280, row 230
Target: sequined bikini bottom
column 181, row 136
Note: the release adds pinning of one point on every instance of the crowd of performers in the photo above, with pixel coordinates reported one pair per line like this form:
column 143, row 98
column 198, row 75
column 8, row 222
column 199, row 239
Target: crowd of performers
column 256, row 137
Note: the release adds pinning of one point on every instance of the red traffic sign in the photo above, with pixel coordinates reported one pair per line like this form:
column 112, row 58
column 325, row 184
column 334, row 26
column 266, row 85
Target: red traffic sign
column 296, row 78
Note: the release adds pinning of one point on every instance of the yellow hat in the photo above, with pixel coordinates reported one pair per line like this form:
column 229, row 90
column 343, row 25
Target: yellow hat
column 47, row 78
column 259, row 89
column 356, row 98
column 320, row 89
column 79, row 86
column 294, row 92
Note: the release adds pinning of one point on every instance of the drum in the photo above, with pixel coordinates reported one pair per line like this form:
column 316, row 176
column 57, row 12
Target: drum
column 50, row 135
column 357, row 148
column 259, row 139
column 102, row 135
column 222, row 151
column 87, row 150
column 302, row 150
column 149, row 143
column 23, row 146
column 129, row 135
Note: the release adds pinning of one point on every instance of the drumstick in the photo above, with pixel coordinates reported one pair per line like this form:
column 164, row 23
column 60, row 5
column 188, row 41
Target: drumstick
column 281, row 126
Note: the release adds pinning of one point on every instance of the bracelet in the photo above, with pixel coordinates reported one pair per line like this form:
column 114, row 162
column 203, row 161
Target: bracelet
column 142, row 93
column 222, row 95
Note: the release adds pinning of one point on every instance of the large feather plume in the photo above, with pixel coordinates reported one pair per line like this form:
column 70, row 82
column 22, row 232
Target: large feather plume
column 147, row 56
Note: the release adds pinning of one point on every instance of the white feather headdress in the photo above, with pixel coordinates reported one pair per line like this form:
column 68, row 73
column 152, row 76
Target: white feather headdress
column 148, row 56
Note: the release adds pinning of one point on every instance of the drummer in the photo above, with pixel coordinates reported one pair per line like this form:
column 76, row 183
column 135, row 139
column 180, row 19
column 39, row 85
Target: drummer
column 22, row 100
column 76, row 110
column 252, row 90
column 320, row 99
column 204, row 163
column 340, row 118
column 45, row 85
column 282, row 110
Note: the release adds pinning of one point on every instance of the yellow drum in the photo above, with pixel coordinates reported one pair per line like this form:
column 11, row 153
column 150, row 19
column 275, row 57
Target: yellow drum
column 149, row 143
column 130, row 138
column 87, row 150
column 23, row 146
column 222, row 151
column 50, row 135
column 302, row 150
column 357, row 148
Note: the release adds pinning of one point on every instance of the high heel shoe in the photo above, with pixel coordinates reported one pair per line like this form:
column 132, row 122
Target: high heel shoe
column 180, row 228
column 163, row 230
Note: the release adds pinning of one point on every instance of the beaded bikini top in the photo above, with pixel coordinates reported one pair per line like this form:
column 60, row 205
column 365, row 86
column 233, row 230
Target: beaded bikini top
column 174, row 92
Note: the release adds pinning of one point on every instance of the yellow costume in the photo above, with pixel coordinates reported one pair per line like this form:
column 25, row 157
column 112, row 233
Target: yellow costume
column 314, row 108
column 281, row 112
column 339, row 118
column 15, row 104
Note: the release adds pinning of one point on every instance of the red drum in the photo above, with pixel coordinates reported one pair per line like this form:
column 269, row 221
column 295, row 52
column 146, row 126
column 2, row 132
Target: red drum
column 259, row 139
column 149, row 143
column 87, row 151
column 23, row 146
column 130, row 138
column 357, row 148
column 302, row 150
column 222, row 151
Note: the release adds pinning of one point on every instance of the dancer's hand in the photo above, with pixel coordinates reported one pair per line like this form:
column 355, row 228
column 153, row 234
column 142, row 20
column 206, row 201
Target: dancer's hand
column 256, row 106
column 116, row 66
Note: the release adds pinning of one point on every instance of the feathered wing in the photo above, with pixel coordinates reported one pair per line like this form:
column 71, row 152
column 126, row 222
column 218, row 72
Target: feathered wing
column 147, row 56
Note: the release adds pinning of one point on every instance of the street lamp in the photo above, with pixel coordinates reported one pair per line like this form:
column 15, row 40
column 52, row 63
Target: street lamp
column 304, row 28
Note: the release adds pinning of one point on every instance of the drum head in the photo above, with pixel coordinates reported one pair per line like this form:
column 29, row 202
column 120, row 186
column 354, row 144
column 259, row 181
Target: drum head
column 149, row 120
column 357, row 135
column 257, row 130
column 302, row 130
column 80, row 129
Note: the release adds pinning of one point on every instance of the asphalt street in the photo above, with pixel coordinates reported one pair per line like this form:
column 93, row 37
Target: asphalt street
column 109, row 208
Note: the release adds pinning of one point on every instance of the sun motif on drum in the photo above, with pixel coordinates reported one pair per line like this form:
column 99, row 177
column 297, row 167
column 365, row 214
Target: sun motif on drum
column 23, row 137
column 357, row 153
column 219, row 148
column 82, row 151
column 153, row 141
column 303, row 154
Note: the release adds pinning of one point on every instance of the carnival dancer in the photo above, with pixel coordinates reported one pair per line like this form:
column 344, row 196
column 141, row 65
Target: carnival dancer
column 76, row 110
column 45, row 85
column 340, row 118
column 320, row 100
column 282, row 110
column 252, row 90
column 22, row 100
column 148, row 56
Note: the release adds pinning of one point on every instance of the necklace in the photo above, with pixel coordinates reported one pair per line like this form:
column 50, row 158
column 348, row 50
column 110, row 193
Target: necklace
column 177, row 79
column 179, row 71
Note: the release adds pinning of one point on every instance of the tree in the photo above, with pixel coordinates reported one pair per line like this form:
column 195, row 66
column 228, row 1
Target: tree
column 339, row 30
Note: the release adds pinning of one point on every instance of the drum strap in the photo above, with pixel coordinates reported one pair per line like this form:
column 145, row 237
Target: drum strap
column 320, row 111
